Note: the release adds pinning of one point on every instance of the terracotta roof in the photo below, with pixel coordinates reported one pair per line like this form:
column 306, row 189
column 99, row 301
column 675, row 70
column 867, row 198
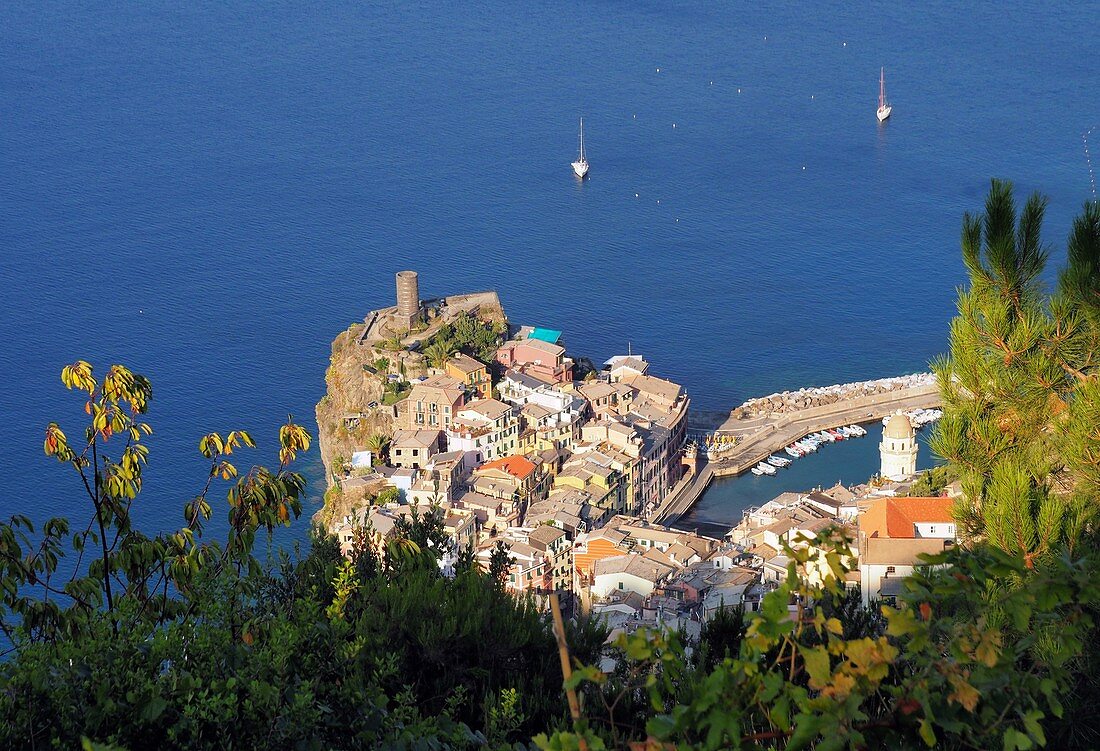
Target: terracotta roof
column 636, row 565
column 517, row 466
column 548, row 347
column 660, row 388
column 896, row 517
column 888, row 552
column 465, row 363
column 544, row 535
column 489, row 408
column 422, row 438
column 824, row 500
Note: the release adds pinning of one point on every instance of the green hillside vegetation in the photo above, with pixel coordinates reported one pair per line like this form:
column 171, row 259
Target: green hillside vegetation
column 118, row 638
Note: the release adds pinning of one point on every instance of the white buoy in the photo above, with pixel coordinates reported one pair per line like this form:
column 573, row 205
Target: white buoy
column 845, row 44
column 635, row 195
column 674, row 125
column 658, row 200
column 803, row 168
column 658, row 70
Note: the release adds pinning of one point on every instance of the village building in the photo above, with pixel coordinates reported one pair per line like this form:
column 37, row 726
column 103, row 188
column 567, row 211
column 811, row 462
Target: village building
column 513, row 477
column 528, row 569
column 472, row 373
column 606, row 398
column 432, row 404
column 898, row 450
column 893, row 535
column 536, row 357
column 413, row 449
column 659, row 416
column 596, row 475
column 553, row 542
column 494, row 515
column 461, row 527
column 632, row 572
column 487, row 426
column 568, row 509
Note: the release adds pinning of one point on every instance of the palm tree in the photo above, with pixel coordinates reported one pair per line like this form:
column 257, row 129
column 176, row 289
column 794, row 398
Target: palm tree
column 439, row 353
column 379, row 444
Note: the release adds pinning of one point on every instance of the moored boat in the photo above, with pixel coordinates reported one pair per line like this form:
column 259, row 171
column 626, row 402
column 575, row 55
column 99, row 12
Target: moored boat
column 884, row 107
column 580, row 167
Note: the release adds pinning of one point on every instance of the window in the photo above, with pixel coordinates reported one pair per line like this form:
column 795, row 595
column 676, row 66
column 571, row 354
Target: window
column 397, row 452
column 932, row 529
column 890, row 570
column 621, row 585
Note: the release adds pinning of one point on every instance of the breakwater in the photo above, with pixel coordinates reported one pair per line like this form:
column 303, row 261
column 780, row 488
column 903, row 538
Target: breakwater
column 764, row 435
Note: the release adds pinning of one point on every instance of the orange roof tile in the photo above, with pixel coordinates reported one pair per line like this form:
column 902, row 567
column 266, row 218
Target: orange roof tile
column 895, row 517
column 518, row 466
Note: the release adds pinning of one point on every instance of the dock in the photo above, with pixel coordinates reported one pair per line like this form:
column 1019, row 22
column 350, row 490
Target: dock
column 765, row 436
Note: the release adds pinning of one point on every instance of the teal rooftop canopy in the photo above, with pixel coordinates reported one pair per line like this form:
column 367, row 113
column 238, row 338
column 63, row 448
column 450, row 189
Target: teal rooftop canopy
column 546, row 335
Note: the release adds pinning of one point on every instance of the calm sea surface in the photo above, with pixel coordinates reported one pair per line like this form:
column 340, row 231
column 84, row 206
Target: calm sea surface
column 208, row 192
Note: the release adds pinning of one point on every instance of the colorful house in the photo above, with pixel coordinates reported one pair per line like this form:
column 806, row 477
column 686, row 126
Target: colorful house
column 474, row 374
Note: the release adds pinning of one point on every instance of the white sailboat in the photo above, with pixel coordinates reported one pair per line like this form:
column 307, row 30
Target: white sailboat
column 884, row 107
column 580, row 167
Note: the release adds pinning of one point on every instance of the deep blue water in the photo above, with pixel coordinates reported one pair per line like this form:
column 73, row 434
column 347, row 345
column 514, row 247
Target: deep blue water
column 210, row 191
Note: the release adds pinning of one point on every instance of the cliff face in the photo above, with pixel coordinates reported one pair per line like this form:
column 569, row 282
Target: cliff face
column 345, row 419
column 363, row 357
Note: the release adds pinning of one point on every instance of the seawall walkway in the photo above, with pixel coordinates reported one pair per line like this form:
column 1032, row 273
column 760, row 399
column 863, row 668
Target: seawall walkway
column 766, row 436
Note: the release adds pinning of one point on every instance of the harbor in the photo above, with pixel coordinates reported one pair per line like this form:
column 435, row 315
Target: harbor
column 764, row 435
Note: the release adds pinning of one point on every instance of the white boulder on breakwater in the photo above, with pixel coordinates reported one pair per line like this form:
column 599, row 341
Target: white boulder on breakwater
column 817, row 396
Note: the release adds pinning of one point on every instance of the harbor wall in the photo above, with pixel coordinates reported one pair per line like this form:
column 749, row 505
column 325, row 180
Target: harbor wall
column 784, row 429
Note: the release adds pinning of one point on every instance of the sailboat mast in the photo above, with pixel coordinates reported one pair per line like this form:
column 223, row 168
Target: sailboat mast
column 881, row 87
column 582, row 139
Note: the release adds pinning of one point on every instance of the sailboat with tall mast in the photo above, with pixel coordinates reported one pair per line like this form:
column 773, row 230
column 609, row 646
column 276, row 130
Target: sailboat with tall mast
column 884, row 107
column 580, row 167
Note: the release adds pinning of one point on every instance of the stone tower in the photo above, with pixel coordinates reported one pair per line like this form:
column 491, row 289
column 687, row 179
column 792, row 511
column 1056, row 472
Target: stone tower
column 898, row 449
column 408, row 300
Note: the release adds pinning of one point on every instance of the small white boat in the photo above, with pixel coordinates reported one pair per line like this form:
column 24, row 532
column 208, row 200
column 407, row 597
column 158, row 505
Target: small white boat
column 884, row 107
column 766, row 468
column 580, row 167
column 778, row 461
column 757, row 471
column 794, row 452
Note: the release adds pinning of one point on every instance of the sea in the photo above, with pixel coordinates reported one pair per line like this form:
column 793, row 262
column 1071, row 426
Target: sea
column 208, row 192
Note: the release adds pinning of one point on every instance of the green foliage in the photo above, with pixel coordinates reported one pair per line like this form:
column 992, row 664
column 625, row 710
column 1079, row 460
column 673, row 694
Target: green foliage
column 379, row 445
column 467, row 334
column 1019, row 385
column 500, row 563
column 388, row 494
column 395, row 391
column 932, row 482
column 941, row 671
column 317, row 652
